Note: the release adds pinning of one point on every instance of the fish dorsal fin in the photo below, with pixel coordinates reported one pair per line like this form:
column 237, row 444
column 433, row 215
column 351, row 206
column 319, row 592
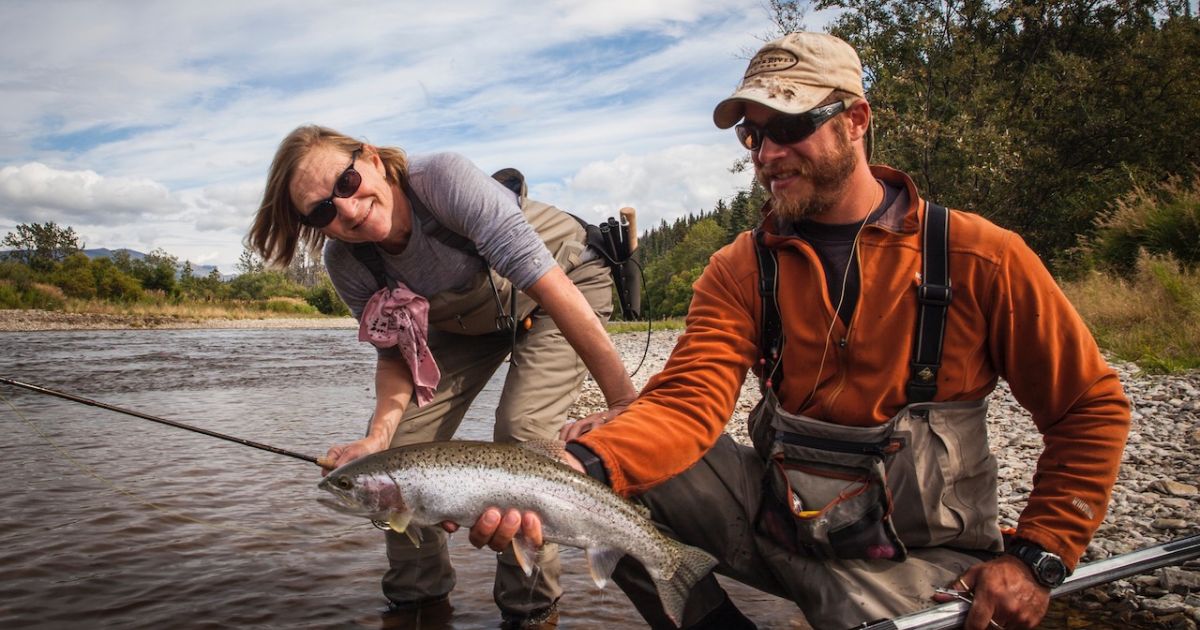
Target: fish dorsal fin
column 398, row 521
column 525, row 553
column 552, row 449
column 601, row 562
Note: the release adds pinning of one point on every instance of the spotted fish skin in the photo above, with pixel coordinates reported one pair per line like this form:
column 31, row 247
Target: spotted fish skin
column 425, row 484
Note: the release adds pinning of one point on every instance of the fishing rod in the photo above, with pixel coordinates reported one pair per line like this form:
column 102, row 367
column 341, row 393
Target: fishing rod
column 178, row 425
column 954, row 614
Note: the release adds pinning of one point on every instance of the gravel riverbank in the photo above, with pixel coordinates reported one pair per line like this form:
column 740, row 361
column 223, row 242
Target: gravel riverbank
column 1155, row 500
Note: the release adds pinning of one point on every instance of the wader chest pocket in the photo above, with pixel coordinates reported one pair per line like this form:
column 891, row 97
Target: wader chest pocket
column 837, row 494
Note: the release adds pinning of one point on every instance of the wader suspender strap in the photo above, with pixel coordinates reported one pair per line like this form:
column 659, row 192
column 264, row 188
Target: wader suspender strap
column 369, row 257
column 770, row 338
column 454, row 240
column 933, row 298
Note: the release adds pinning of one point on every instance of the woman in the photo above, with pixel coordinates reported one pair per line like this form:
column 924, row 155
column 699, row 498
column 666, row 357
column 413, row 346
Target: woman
column 418, row 218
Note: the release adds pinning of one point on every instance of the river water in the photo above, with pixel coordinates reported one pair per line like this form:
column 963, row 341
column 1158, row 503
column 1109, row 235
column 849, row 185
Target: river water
column 113, row 521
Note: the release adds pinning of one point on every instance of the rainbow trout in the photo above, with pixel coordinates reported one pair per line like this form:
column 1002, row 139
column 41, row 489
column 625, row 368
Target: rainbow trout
column 425, row 484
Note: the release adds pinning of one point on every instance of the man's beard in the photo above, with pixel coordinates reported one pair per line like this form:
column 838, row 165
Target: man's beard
column 828, row 180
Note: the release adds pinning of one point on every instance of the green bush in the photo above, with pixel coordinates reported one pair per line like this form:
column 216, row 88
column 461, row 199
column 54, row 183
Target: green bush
column 325, row 299
column 31, row 295
column 114, row 284
column 1160, row 220
column 263, row 285
column 289, row 305
column 18, row 273
column 74, row 276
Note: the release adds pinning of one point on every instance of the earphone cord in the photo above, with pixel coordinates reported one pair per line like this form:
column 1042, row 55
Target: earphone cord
column 836, row 311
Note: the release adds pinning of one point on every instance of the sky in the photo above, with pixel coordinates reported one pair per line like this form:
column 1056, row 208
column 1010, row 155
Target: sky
column 151, row 125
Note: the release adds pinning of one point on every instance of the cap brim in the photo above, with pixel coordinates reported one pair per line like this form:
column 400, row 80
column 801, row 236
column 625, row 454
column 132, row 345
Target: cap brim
column 729, row 111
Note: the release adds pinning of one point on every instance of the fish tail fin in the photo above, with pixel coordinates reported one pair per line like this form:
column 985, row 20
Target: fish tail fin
column 674, row 587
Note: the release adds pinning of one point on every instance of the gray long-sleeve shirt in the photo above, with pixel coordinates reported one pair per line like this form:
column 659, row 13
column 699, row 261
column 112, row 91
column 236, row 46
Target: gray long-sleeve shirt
column 468, row 202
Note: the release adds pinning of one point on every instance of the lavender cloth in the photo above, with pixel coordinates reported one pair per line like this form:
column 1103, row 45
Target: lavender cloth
column 400, row 318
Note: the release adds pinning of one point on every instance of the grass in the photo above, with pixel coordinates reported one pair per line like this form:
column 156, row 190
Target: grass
column 1152, row 318
column 618, row 327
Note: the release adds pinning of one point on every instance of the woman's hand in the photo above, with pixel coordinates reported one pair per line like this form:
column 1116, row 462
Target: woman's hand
column 340, row 454
column 572, row 430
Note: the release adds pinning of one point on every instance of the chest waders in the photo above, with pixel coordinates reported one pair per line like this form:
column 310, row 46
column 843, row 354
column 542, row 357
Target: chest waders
column 831, row 490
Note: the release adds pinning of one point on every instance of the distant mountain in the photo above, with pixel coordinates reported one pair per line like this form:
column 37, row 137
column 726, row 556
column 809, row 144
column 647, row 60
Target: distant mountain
column 104, row 252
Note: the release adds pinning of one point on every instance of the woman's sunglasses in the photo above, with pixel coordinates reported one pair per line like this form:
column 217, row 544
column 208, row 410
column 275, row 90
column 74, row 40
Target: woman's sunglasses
column 347, row 184
column 787, row 128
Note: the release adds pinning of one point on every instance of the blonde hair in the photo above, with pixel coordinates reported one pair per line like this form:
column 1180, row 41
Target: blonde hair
column 277, row 230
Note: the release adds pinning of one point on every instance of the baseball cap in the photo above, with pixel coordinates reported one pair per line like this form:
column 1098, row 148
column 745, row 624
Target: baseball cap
column 792, row 75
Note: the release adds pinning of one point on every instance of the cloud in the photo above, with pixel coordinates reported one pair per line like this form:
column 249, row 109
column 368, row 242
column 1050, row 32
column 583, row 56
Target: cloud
column 662, row 185
column 35, row 192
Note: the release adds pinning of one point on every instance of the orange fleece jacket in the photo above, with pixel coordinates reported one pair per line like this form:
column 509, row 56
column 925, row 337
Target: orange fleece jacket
column 1007, row 319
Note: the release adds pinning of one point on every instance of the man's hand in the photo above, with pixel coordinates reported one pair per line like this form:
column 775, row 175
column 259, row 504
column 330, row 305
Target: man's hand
column 497, row 530
column 572, row 430
column 340, row 454
column 1005, row 595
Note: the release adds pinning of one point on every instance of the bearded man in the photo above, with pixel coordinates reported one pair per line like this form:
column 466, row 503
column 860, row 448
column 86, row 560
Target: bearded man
column 878, row 323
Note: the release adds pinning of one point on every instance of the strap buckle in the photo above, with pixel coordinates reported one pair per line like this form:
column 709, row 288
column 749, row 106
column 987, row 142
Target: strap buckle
column 934, row 294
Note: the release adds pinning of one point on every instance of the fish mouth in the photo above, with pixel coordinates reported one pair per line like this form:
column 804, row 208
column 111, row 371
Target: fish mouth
column 353, row 509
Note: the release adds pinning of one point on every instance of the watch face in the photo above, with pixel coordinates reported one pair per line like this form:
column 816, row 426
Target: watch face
column 1050, row 570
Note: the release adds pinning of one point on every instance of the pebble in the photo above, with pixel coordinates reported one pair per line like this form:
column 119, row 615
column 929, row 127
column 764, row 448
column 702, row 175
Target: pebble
column 1155, row 499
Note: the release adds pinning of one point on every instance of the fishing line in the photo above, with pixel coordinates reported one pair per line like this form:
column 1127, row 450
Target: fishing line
column 173, row 423
column 118, row 488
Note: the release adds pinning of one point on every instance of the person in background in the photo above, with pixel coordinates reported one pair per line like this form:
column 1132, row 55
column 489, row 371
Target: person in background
column 449, row 272
column 878, row 323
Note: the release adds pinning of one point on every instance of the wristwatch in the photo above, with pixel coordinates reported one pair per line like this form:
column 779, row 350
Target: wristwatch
column 1048, row 569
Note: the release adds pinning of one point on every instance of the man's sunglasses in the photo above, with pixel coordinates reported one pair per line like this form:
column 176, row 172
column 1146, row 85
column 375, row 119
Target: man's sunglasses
column 347, row 184
column 787, row 128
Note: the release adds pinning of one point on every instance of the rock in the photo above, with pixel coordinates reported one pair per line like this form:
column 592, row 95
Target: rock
column 1145, row 581
column 1173, row 488
column 1169, row 523
column 1179, row 581
column 1175, row 621
column 1163, row 606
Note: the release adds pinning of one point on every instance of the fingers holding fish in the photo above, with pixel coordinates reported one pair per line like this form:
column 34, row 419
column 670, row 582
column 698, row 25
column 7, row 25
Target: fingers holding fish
column 496, row 530
column 341, row 454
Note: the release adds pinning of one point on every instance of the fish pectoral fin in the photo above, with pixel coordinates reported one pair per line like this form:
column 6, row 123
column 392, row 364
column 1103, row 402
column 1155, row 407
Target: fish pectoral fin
column 399, row 521
column 525, row 553
column 601, row 562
